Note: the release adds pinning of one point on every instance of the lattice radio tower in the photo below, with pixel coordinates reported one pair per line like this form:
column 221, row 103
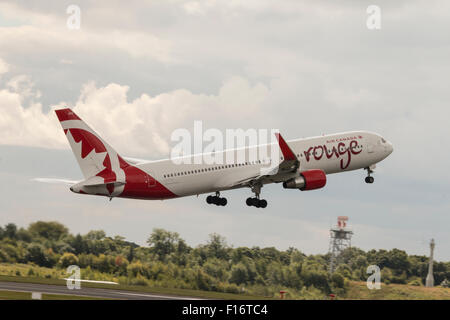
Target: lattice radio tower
column 340, row 239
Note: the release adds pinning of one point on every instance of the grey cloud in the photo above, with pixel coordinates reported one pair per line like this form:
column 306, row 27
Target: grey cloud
column 321, row 69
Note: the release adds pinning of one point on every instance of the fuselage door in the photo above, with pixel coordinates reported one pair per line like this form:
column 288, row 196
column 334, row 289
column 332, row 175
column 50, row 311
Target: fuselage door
column 150, row 181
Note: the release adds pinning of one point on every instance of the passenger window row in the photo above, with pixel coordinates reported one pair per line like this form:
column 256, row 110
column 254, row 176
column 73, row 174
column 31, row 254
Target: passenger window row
column 197, row 171
column 228, row 166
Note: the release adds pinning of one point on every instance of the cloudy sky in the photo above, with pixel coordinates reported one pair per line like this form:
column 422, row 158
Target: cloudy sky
column 136, row 72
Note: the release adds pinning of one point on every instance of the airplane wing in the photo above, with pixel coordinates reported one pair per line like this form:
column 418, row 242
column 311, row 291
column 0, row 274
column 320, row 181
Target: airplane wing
column 289, row 164
column 56, row 181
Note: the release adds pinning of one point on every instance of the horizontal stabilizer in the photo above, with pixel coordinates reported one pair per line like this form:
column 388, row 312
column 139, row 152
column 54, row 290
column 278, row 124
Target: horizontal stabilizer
column 135, row 161
column 56, row 181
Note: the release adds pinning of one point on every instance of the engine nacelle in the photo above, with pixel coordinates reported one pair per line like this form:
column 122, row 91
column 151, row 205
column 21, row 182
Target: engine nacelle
column 308, row 180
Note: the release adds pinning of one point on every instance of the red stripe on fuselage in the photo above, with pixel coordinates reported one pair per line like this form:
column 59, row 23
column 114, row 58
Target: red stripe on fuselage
column 140, row 185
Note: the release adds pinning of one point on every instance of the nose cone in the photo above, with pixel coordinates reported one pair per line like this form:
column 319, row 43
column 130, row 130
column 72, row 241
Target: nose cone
column 389, row 148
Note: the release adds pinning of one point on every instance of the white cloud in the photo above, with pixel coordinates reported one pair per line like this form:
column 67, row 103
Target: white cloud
column 24, row 86
column 44, row 32
column 142, row 126
column 66, row 61
column 4, row 67
column 304, row 67
column 26, row 126
column 38, row 40
column 194, row 8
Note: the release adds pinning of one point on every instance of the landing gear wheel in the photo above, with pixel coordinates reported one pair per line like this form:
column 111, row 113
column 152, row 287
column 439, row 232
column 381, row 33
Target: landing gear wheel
column 263, row 203
column 369, row 179
column 217, row 200
column 256, row 202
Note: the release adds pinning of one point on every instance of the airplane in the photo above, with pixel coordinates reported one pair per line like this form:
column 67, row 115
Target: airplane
column 301, row 164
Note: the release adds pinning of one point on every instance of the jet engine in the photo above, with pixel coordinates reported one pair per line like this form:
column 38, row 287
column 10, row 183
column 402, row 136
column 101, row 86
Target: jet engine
column 308, row 180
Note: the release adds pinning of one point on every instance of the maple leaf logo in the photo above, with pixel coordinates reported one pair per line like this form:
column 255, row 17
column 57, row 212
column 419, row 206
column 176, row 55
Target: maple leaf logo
column 90, row 161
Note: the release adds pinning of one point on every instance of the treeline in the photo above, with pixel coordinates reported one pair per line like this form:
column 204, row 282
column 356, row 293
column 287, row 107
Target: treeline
column 169, row 261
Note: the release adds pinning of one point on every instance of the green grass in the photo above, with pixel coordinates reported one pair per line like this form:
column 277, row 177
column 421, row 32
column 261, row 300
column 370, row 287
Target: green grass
column 359, row 291
column 45, row 275
column 13, row 295
column 145, row 289
column 19, row 295
column 356, row 290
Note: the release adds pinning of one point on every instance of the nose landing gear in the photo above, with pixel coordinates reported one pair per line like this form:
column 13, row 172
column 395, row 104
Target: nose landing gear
column 217, row 200
column 369, row 178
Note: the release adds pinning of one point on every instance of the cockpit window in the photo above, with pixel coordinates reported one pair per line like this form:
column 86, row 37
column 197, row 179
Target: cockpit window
column 382, row 140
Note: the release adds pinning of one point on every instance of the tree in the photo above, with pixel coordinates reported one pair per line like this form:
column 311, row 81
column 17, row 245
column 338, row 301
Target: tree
column 49, row 230
column 337, row 280
column 314, row 274
column 217, row 247
column 130, row 255
column 68, row 259
column 203, row 281
column 135, row 268
column 36, row 254
column 104, row 263
column 10, row 231
column 239, row 273
column 4, row 257
column 216, row 268
column 24, row 235
column 96, row 235
column 398, row 260
column 78, row 244
column 121, row 262
column 163, row 242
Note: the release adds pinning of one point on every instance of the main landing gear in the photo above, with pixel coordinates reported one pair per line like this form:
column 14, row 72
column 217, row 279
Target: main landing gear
column 256, row 202
column 369, row 178
column 217, row 200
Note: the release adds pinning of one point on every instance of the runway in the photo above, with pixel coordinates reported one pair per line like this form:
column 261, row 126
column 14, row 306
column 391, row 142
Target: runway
column 89, row 292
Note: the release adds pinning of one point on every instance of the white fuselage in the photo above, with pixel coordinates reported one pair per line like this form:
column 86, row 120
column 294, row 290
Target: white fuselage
column 330, row 153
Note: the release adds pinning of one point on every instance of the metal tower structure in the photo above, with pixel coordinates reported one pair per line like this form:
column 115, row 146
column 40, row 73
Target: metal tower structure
column 340, row 239
column 429, row 282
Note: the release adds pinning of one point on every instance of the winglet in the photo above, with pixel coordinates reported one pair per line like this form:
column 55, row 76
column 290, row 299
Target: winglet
column 285, row 149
